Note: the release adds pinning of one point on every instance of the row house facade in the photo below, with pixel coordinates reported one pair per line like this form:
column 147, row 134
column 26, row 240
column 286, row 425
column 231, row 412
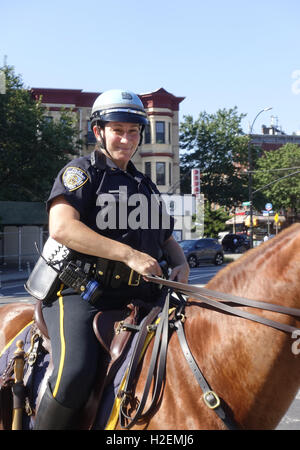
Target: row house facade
column 158, row 156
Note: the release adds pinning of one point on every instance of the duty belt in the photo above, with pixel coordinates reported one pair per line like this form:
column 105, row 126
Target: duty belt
column 114, row 274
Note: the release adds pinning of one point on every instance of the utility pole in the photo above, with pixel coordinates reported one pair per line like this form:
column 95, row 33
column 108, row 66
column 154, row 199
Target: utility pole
column 250, row 168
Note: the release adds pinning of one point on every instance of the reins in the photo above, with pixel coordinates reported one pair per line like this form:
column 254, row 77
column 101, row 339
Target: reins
column 203, row 294
column 156, row 369
column 157, row 364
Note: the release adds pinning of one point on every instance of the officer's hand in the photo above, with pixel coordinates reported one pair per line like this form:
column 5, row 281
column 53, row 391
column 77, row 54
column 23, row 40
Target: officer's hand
column 143, row 263
column 180, row 273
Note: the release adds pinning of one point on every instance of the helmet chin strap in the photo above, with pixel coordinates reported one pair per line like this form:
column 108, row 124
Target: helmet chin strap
column 102, row 141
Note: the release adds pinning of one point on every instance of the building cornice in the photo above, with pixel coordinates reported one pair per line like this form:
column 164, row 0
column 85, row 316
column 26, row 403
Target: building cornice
column 157, row 99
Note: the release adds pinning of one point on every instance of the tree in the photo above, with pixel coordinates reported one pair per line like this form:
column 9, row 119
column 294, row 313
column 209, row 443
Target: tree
column 214, row 220
column 32, row 148
column 215, row 143
column 279, row 187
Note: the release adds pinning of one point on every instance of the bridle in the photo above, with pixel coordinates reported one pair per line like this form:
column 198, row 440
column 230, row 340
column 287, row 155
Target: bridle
column 156, row 371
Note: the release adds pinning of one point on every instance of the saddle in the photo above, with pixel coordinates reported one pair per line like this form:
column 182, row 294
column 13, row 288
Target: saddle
column 113, row 329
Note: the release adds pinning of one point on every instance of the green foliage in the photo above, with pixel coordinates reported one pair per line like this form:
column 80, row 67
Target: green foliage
column 215, row 143
column 283, row 190
column 32, row 148
column 214, row 220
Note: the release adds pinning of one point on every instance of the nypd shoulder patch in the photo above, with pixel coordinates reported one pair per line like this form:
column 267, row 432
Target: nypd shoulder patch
column 74, row 177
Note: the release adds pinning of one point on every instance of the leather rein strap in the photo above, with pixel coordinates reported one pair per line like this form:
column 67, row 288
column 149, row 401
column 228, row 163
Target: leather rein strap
column 210, row 398
column 159, row 353
column 203, row 294
column 158, row 362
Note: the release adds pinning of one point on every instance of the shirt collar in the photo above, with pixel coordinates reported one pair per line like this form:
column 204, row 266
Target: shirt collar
column 130, row 166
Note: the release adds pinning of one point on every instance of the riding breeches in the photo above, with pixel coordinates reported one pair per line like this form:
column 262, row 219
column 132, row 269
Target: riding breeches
column 75, row 349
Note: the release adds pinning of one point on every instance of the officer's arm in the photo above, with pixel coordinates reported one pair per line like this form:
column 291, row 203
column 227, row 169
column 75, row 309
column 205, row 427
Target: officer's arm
column 65, row 227
column 180, row 268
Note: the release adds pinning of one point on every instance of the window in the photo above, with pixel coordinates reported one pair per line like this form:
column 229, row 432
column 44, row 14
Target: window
column 160, row 173
column 147, row 134
column 90, row 134
column 169, row 133
column 160, row 132
column 148, row 169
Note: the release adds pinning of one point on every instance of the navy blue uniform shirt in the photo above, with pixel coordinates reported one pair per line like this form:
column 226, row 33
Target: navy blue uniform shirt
column 121, row 205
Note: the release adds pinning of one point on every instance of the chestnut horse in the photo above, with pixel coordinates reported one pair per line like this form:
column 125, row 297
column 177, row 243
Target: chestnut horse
column 252, row 367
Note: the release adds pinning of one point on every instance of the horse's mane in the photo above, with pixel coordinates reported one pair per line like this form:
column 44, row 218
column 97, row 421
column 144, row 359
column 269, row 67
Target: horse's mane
column 272, row 260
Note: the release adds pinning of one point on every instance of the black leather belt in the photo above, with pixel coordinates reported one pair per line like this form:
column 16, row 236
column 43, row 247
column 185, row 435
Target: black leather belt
column 114, row 274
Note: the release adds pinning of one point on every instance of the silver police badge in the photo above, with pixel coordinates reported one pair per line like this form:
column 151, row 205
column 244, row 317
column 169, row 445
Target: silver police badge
column 74, row 177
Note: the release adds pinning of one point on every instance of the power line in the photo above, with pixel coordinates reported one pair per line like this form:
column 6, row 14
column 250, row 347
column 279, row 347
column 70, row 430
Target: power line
column 275, row 181
column 269, row 170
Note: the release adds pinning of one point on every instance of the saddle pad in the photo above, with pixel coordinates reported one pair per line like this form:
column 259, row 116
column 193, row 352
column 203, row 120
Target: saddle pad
column 34, row 380
column 8, row 351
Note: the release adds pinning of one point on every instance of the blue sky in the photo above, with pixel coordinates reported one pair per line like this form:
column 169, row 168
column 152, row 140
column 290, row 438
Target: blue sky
column 215, row 53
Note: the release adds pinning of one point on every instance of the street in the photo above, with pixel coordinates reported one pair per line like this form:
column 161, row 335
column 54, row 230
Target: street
column 202, row 275
column 13, row 291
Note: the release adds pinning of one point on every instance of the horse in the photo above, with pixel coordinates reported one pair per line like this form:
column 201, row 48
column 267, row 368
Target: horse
column 253, row 368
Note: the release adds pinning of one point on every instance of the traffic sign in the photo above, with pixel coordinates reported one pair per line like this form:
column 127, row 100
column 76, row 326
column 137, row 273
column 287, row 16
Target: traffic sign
column 246, row 203
column 268, row 206
column 276, row 217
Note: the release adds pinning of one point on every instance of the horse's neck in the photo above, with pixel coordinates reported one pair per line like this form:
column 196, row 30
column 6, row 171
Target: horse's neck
column 250, row 366
column 270, row 272
column 247, row 362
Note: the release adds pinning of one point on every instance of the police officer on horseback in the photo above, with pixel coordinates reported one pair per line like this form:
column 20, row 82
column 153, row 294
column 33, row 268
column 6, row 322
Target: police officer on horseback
column 93, row 212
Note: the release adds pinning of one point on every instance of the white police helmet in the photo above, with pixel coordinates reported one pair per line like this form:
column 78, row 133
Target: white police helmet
column 117, row 105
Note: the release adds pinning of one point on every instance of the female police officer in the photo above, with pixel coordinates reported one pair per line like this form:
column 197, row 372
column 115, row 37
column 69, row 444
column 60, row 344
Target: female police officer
column 83, row 218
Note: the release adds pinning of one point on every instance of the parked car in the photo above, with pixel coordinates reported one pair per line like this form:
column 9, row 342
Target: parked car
column 236, row 243
column 202, row 250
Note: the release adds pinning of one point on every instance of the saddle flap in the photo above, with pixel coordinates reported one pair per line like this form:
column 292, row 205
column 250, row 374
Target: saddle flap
column 108, row 327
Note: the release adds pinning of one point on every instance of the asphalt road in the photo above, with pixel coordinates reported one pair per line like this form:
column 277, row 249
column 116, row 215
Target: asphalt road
column 12, row 291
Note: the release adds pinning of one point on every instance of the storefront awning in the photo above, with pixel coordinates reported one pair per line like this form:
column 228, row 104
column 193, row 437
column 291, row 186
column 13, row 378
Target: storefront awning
column 240, row 219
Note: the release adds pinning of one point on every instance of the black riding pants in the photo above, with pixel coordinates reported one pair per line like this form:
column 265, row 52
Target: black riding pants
column 75, row 349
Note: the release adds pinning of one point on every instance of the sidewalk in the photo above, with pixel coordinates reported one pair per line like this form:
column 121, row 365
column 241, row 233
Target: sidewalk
column 232, row 256
column 13, row 274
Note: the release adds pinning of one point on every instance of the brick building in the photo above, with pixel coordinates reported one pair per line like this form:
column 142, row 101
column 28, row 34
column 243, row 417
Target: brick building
column 272, row 138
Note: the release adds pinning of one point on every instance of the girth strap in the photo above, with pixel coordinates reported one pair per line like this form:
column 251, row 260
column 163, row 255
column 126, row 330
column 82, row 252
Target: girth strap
column 196, row 292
